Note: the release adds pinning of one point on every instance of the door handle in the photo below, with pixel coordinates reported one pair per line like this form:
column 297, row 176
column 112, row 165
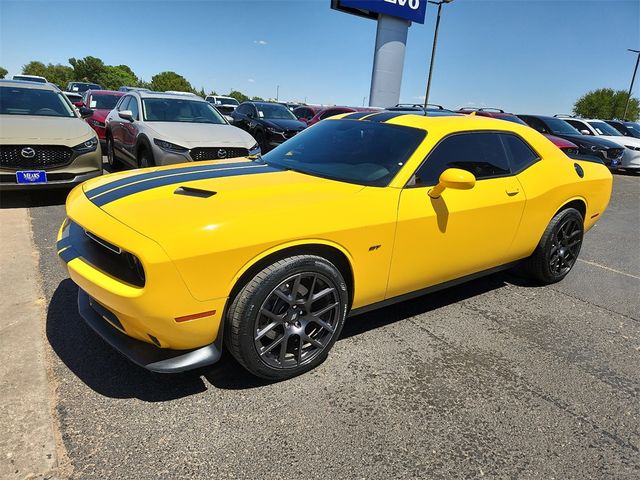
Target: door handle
column 512, row 190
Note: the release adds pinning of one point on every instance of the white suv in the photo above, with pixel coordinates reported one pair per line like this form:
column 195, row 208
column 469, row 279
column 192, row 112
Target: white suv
column 599, row 128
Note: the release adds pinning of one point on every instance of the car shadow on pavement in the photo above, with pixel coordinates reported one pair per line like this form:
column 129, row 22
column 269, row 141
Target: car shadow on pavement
column 33, row 198
column 105, row 371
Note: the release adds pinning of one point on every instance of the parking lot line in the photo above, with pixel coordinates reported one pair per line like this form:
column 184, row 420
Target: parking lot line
column 608, row 268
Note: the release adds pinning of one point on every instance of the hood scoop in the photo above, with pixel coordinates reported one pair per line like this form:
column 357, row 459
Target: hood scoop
column 194, row 192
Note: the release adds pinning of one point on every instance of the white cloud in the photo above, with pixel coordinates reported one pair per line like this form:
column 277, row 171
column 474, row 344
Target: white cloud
column 260, row 42
column 251, row 80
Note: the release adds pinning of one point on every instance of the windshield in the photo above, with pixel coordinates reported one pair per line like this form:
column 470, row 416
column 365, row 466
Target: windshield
column 605, row 129
column 560, row 127
column 228, row 101
column 104, row 102
column 633, row 126
column 366, row 153
column 30, row 101
column 180, row 110
column 83, row 87
column 274, row 111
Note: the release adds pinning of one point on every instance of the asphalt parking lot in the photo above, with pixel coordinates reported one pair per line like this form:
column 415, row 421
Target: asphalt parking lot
column 495, row 378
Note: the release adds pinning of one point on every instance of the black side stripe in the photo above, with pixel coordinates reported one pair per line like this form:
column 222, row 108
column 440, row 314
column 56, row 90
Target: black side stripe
column 357, row 115
column 384, row 116
column 177, row 179
column 145, row 176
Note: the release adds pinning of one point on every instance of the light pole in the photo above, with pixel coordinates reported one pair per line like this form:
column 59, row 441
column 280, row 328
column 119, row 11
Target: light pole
column 433, row 49
column 635, row 70
column 277, row 92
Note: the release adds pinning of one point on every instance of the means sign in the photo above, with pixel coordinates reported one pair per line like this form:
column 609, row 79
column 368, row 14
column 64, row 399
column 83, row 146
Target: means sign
column 413, row 10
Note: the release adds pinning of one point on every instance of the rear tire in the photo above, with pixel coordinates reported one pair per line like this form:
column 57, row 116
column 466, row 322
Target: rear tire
column 285, row 320
column 558, row 250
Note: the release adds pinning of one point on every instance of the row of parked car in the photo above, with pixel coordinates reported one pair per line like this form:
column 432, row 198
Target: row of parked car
column 142, row 128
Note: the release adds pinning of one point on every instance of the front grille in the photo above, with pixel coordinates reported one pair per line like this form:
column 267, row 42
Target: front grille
column 44, row 156
column 217, row 153
column 614, row 153
column 290, row 133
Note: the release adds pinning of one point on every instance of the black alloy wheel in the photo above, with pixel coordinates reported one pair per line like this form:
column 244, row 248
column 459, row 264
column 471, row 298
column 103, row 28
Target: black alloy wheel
column 297, row 320
column 285, row 320
column 558, row 250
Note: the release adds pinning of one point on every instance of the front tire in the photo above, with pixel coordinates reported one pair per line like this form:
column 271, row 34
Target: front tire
column 285, row 320
column 558, row 250
column 111, row 157
column 145, row 158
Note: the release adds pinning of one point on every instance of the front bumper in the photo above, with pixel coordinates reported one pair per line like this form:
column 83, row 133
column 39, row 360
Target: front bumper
column 143, row 354
column 75, row 180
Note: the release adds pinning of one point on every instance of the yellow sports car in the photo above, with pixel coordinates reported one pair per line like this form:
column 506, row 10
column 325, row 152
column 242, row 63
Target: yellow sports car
column 269, row 255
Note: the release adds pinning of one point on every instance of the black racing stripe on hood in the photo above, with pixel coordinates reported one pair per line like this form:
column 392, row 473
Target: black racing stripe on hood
column 139, row 187
column 384, row 116
column 161, row 173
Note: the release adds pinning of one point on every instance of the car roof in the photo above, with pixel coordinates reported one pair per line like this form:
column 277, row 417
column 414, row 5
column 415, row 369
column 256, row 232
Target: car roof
column 432, row 123
column 166, row 95
column 26, row 84
column 107, row 92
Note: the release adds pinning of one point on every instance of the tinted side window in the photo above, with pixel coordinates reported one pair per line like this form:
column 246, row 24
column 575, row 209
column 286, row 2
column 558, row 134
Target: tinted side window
column 521, row 155
column 536, row 124
column 123, row 103
column 479, row 153
column 243, row 109
column 578, row 125
column 133, row 106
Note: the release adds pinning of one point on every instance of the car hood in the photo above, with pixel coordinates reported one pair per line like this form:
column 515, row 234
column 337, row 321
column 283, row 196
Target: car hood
column 41, row 130
column 100, row 114
column 192, row 135
column 623, row 141
column 176, row 204
column 591, row 140
column 283, row 124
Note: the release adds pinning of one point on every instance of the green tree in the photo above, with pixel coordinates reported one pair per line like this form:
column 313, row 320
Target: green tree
column 35, row 68
column 3, row 72
column 113, row 78
column 58, row 74
column 606, row 103
column 241, row 97
column 257, row 99
column 170, row 81
column 87, row 69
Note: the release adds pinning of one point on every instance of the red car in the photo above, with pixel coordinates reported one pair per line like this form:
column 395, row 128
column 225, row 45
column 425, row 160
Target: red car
column 311, row 115
column 101, row 102
column 569, row 148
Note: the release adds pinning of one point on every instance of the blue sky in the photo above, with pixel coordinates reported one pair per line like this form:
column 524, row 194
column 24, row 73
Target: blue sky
column 523, row 56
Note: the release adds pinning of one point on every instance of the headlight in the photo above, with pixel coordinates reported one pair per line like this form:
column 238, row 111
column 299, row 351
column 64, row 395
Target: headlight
column 170, row 147
column 88, row 146
column 97, row 123
column 631, row 147
column 255, row 150
column 275, row 130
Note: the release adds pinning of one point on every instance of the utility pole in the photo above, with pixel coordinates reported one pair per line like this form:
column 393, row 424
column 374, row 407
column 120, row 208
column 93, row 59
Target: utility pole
column 277, row 92
column 633, row 78
column 433, row 48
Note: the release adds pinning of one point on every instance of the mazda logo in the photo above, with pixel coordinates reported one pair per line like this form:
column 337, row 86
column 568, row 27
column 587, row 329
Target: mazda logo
column 28, row 152
column 222, row 153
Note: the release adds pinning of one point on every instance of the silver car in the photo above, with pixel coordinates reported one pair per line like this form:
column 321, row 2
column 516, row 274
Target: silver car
column 153, row 128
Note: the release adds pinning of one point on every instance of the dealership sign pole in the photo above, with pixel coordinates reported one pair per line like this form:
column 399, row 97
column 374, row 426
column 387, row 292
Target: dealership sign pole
column 394, row 18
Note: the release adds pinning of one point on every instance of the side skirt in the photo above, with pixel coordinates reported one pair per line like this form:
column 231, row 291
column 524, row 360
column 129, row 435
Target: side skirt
column 431, row 289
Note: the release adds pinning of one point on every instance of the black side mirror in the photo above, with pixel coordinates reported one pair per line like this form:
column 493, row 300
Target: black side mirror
column 250, row 115
column 85, row 112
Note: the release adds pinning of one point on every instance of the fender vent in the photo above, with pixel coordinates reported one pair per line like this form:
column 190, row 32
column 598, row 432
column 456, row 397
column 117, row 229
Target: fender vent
column 579, row 170
column 194, row 192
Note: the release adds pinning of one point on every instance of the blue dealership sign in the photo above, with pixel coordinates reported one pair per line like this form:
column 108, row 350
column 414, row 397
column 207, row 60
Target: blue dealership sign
column 413, row 10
